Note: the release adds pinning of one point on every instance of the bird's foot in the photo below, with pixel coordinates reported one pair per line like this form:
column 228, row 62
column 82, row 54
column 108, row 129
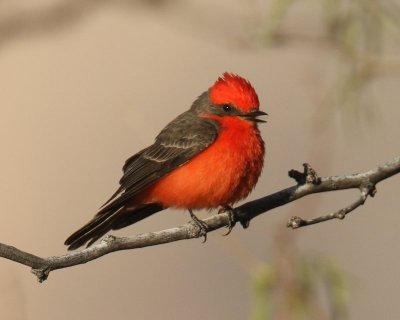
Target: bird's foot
column 231, row 218
column 203, row 227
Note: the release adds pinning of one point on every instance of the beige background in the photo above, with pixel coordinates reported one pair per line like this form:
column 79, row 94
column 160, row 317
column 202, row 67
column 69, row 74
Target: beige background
column 82, row 93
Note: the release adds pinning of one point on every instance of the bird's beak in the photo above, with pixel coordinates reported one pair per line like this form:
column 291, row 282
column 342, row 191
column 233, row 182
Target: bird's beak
column 252, row 115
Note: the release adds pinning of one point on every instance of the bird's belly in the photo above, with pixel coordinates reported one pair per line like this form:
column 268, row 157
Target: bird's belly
column 220, row 175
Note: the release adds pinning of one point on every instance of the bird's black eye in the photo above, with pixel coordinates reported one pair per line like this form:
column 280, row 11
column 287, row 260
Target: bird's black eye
column 227, row 108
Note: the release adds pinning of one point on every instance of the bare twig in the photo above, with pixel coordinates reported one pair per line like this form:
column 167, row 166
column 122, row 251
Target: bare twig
column 307, row 183
column 297, row 222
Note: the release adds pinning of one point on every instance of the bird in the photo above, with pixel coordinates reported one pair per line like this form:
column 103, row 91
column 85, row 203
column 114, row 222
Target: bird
column 209, row 156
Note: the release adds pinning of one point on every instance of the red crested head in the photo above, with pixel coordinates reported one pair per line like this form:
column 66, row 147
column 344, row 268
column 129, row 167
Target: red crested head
column 233, row 89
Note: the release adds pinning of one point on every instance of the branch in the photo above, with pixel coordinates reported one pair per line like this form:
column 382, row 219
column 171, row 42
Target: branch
column 297, row 222
column 308, row 183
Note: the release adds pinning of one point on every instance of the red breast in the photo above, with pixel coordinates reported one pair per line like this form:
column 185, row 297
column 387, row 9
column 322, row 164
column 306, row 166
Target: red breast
column 222, row 174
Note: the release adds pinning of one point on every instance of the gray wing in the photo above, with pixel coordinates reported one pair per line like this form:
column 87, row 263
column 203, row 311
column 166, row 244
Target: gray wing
column 180, row 141
column 177, row 143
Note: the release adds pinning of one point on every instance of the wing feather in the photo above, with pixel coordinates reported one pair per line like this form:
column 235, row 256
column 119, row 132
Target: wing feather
column 180, row 141
column 177, row 143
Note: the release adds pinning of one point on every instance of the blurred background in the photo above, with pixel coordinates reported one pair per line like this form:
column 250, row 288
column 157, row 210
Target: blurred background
column 85, row 84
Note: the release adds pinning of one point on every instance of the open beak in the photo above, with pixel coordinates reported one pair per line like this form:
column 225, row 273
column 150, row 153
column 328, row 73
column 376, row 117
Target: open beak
column 252, row 115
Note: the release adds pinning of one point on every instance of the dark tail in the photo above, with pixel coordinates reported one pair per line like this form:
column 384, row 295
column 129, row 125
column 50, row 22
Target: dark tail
column 105, row 221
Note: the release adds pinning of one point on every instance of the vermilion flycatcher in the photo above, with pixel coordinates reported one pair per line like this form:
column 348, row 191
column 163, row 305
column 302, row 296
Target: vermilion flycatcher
column 209, row 156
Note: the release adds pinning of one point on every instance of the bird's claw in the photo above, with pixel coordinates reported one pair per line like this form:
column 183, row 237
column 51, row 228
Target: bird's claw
column 231, row 218
column 203, row 227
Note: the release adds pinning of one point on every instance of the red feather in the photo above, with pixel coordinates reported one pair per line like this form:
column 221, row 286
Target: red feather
column 231, row 88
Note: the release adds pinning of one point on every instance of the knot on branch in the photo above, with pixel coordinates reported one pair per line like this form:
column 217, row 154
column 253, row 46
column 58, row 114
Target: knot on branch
column 236, row 215
column 295, row 222
column 245, row 223
column 372, row 191
column 341, row 214
column 108, row 239
column 308, row 176
column 41, row 273
column 368, row 188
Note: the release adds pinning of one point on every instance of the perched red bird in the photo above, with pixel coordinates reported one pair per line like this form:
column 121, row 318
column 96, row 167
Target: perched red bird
column 209, row 156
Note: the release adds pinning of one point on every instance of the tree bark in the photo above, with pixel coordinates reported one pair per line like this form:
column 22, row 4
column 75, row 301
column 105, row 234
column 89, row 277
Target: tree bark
column 308, row 183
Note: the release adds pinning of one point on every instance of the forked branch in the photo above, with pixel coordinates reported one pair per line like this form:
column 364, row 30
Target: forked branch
column 308, row 183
